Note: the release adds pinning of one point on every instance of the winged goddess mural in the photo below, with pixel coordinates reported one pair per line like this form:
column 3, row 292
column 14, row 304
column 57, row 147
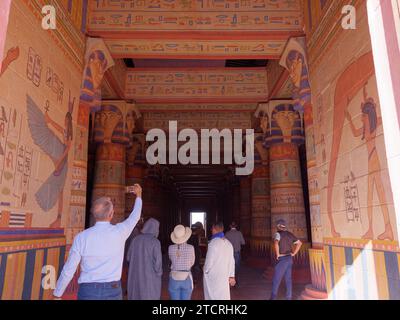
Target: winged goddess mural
column 44, row 132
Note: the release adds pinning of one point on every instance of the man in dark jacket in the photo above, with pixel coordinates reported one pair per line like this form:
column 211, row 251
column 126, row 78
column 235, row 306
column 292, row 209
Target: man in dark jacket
column 145, row 264
column 286, row 246
column 236, row 238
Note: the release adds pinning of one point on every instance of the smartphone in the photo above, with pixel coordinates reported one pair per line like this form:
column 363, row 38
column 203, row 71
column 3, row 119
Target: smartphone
column 129, row 189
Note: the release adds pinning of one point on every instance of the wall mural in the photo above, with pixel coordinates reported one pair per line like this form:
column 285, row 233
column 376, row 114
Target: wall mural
column 15, row 159
column 367, row 132
column 34, row 67
column 37, row 132
column 18, row 176
column 45, row 131
column 11, row 55
column 351, row 198
column 351, row 81
column 57, row 86
column 38, row 124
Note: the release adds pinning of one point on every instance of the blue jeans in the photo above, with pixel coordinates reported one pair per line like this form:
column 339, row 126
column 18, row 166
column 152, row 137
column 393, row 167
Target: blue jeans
column 180, row 290
column 237, row 257
column 283, row 269
column 100, row 291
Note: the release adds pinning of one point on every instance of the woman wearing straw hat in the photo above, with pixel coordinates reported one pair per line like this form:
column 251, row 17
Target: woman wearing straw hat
column 182, row 259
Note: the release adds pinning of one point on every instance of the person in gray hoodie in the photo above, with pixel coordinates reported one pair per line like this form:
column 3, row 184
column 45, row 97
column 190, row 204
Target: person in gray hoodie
column 145, row 264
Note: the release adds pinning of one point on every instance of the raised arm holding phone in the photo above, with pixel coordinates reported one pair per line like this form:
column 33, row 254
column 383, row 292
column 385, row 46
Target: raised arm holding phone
column 99, row 250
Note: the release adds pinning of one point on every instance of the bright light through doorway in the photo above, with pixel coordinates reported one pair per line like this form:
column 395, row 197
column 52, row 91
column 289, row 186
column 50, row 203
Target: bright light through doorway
column 198, row 217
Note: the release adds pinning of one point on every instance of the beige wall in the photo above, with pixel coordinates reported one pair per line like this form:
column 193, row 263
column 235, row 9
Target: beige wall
column 360, row 251
column 24, row 165
column 353, row 153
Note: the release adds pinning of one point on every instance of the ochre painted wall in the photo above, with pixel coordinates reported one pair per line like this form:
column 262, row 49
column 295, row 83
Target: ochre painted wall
column 39, row 96
column 44, row 76
column 4, row 12
column 361, row 251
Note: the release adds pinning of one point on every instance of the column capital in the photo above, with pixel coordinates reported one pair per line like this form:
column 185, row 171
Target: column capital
column 115, row 122
column 97, row 61
column 280, row 123
column 294, row 59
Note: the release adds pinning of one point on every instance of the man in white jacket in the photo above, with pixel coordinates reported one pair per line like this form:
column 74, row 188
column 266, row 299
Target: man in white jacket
column 219, row 268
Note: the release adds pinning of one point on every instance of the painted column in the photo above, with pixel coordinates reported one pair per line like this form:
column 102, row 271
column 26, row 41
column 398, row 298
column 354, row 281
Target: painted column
column 261, row 210
column 294, row 59
column 245, row 207
column 284, row 135
column 110, row 177
column 112, row 132
column 98, row 60
column 134, row 173
column 287, row 200
column 261, row 201
column 152, row 198
column 135, row 170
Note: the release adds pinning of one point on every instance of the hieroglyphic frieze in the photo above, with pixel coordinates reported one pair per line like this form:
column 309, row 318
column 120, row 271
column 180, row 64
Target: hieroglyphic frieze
column 199, row 5
column 197, row 120
column 175, row 15
column 190, row 83
column 254, row 76
column 225, row 107
column 215, row 48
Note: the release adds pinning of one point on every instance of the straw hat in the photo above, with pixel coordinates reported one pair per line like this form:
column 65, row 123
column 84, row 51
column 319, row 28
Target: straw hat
column 180, row 234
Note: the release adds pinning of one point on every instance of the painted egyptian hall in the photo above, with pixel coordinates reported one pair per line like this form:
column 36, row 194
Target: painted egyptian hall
column 316, row 82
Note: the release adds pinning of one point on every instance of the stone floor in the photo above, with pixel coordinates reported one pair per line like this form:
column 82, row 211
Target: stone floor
column 252, row 286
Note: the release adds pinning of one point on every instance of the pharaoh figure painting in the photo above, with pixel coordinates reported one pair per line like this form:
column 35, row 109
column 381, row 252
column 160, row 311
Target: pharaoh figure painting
column 367, row 132
column 266, row 131
column 351, row 83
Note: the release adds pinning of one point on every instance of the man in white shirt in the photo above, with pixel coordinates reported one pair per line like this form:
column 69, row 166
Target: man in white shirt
column 100, row 252
column 219, row 268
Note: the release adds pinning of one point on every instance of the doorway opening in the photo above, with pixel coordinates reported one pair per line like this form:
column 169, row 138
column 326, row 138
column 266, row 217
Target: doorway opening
column 199, row 217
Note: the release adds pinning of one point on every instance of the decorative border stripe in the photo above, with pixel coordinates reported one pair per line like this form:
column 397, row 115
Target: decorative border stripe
column 29, row 273
column 392, row 271
column 3, row 266
column 45, row 253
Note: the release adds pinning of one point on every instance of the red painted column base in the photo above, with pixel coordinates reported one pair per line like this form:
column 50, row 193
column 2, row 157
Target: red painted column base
column 310, row 293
